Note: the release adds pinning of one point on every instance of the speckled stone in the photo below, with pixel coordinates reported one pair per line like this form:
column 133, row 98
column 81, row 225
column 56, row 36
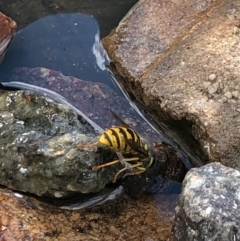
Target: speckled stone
column 168, row 52
column 208, row 207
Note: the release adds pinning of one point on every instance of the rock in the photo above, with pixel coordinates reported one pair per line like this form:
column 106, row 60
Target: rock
column 7, row 29
column 45, row 148
column 208, row 207
column 212, row 77
column 228, row 95
column 26, row 218
column 213, row 88
column 235, row 94
column 167, row 52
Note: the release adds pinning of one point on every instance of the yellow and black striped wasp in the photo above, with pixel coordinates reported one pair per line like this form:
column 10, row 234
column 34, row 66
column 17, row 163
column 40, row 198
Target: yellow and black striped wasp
column 136, row 153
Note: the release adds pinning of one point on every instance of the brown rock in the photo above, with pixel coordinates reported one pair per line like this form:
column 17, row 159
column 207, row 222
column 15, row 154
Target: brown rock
column 168, row 51
column 25, row 218
column 7, row 29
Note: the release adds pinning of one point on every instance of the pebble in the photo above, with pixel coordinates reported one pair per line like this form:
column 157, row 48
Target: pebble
column 206, row 84
column 224, row 99
column 235, row 94
column 213, row 88
column 235, row 30
column 212, row 77
column 226, row 89
column 228, row 95
column 233, row 101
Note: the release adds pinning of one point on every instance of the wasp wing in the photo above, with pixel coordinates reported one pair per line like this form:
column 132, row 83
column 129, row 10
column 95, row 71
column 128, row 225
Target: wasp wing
column 137, row 147
column 122, row 122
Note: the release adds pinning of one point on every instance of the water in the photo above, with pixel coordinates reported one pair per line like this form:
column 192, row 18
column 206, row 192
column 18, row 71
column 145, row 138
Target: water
column 48, row 55
column 65, row 42
column 70, row 44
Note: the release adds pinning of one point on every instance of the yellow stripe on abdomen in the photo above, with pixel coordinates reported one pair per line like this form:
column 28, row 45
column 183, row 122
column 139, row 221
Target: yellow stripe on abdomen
column 116, row 137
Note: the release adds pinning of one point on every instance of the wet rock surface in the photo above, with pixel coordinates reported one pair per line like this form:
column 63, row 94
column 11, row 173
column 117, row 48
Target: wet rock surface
column 25, row 218
column 7, row 29
column 45, row 148
column 183, row 64
column 208, row 207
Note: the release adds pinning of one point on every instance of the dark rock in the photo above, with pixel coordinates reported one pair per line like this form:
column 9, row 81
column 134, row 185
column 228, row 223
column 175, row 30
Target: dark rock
column 208, row 207
column 45, row 148
column 108, row 15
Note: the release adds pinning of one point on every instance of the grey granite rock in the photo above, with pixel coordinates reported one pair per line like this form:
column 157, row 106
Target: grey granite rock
column 208, row 207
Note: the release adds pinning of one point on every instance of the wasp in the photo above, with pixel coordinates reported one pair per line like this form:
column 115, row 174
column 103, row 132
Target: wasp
column 135, row 152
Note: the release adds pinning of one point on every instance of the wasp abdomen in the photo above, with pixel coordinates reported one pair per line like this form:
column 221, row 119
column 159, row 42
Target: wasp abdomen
column 116, row 137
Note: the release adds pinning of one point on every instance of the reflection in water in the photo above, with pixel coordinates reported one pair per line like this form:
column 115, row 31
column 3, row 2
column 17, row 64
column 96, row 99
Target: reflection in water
column 46, row 55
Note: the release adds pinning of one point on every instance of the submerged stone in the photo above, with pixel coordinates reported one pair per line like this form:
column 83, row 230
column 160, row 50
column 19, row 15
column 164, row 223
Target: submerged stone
column 94, row 99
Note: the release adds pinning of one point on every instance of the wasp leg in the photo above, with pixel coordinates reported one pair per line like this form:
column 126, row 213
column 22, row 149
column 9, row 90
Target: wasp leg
column 82, row 146
column 125, row 168
column 140, row 170
column 95, row 168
